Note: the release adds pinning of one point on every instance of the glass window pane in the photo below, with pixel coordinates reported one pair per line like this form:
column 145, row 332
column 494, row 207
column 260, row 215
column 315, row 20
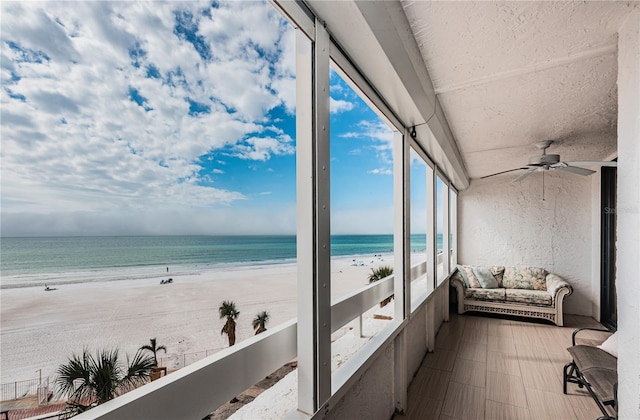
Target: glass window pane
column 159, row 151
column 361, row 210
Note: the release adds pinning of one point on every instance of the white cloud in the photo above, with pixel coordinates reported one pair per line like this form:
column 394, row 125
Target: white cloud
column 379, row 137
column 74, row 141
column 184, row 220
column 338, row 105
column 381, row 171
column 375, row 131
column 363, row 220
column 261, row 148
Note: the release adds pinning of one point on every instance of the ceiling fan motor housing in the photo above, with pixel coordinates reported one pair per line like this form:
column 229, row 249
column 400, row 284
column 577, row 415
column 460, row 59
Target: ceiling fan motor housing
column 544, row 160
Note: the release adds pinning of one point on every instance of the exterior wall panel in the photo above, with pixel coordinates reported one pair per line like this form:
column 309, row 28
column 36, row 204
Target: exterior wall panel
column 628, row 212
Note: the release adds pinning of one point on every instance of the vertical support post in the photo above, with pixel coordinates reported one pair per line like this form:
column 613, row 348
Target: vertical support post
column 305, row 223
column 401, row 248
column 313, row 219
column 445, row 229
column 357, row 328
column 401, row 227
column 453, row 203
column 431, row 229
column 323, row 212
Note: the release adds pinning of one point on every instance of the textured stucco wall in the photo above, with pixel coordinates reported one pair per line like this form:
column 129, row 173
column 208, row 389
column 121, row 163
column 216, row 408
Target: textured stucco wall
column 416, row 341
column 628, row 215
column 372, row 395
column 500, row 223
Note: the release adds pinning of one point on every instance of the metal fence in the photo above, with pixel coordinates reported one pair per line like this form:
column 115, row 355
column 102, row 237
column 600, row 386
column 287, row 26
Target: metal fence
column 21, row 389
column 181, row 360
column 40, row 388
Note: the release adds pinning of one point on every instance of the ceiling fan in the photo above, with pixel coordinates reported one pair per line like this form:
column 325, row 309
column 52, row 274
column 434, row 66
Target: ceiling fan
column 545, row 162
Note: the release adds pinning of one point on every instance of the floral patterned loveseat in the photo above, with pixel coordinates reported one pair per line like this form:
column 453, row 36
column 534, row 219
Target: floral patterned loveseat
column 521, row 291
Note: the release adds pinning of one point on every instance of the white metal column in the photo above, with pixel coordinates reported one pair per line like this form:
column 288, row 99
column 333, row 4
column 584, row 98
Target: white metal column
column 313, row 216
column 401, row 226
column 453, row 203
column 305, row 221
column 445, row 229
column 402, row 258
column 322, row 302
column 431, row 229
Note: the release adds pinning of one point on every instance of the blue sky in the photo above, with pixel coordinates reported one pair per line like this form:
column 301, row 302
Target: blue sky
column 169, row 118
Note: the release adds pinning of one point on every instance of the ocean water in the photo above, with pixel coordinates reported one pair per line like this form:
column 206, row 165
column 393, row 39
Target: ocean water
column 28, row 261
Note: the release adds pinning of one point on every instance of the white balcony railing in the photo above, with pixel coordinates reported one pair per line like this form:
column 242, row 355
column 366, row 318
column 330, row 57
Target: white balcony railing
column 198, row 389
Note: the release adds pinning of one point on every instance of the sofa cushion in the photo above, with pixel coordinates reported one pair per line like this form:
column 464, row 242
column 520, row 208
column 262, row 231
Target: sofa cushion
column 498, row 273
column 460, row 274
column 610, row 345
column 485, row 277
column 472, row 280
column 484, row 294
column 531, row 278
column 533, row 297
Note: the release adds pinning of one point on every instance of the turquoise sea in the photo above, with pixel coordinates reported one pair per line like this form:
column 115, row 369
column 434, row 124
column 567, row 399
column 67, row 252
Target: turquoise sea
column 30, row 261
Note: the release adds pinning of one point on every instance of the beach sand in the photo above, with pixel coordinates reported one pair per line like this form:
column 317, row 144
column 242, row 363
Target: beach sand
column 41, row 330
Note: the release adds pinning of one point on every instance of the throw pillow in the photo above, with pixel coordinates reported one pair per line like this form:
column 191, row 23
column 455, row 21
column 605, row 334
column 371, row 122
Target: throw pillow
column 471, row 278
column 462, row 274
column 610, row 345
column 498, row 273
column 485, row 277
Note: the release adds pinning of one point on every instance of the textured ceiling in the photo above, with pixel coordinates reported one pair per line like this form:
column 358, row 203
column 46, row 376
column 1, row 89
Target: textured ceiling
column 509, row 74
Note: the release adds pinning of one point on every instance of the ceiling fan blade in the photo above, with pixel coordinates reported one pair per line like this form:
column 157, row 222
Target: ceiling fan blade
column 524, row 175
column 592, row 163
column 574, row 169
column 503, row 172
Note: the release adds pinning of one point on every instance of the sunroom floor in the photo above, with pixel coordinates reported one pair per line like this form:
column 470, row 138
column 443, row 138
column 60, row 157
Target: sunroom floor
column 486, row 367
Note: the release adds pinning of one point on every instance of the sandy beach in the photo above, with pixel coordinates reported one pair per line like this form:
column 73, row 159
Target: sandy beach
column 40, row 329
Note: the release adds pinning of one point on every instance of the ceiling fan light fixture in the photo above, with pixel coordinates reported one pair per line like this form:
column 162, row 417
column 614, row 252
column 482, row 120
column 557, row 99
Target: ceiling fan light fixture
column 543, row 160
column 542, row 145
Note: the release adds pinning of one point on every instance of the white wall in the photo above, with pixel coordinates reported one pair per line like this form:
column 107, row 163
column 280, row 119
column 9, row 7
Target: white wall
column 628, row 215
column 500, row 223
column 416, row 341
column 372, row 395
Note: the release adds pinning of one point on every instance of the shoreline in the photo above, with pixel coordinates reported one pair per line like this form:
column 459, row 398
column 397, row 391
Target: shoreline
column 147, row 272
column 41, row 329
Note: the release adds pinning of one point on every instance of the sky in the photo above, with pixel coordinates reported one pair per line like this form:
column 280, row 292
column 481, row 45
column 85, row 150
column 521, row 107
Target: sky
column 170, row 118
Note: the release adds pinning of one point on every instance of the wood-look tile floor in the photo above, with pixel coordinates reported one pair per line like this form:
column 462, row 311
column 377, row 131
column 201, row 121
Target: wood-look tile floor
column 486, row 367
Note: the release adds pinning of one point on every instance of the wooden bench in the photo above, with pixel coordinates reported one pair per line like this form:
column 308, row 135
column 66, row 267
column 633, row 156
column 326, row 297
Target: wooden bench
column 596, row 370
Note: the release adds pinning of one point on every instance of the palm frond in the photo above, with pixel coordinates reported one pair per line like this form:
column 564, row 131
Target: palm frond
column 88, row 381
column 260, row 320
column 153, row 348
column 228, row 309
column 74, row 378
column 138, row 370
column 380, row 273
column 106, row 375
